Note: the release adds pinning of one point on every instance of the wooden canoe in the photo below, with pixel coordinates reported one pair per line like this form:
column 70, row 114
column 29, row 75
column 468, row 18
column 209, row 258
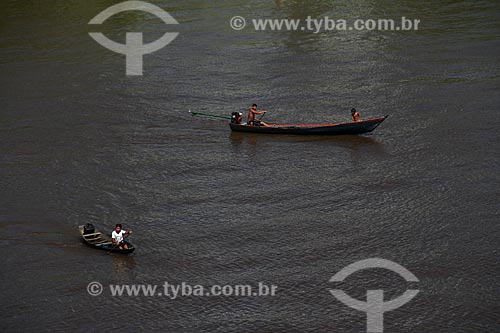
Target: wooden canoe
column 359, row 127
column 101, row 241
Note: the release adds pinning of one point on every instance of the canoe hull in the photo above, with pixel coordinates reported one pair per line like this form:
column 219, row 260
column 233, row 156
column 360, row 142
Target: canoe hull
column 352, row 128
column 100, row 241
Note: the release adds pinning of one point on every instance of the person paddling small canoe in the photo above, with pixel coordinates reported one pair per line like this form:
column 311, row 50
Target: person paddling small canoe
column 93, row 237
column 118, row 237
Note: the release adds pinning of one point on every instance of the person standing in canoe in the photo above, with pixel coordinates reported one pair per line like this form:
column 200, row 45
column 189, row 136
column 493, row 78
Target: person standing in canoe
column 118, row 237
column 355, row 115
column 251, row 116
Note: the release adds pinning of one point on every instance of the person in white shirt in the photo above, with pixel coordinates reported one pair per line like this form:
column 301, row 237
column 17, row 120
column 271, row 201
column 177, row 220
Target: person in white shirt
column 118, row 236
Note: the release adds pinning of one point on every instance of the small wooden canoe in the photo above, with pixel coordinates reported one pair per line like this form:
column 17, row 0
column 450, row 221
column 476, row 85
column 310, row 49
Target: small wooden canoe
column 359, row 127
column 98, row 240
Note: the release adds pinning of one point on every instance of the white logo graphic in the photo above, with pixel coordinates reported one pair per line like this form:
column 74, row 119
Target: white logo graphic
column 374, row 305
column 94, row 288
column 238, row 23
column 134, row 49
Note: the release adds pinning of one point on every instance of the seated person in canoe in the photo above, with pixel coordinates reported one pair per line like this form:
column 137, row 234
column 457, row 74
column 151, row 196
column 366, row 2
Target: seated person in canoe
column 251, row 116
column 355, row 115
column 118, row 237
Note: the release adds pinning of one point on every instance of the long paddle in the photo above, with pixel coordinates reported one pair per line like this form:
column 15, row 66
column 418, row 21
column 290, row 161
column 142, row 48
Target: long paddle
column 209, row 115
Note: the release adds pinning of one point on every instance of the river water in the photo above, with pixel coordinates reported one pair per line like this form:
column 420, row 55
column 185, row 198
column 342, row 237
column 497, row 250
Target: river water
column 82, row 142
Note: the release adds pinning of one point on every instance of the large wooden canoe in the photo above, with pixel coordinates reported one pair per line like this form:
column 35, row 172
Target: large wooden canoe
column 359, row 127
column 98, row 240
